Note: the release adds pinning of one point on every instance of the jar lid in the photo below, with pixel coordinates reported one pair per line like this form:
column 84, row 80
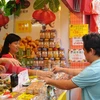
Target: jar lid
column 51, row 59
column 50, row 49
column 63, row 58
column 62, row 49
column 42, row 31
column 51, row 40
column 57, row 58
column 55, row 49
column 48, row 31
column 44, row 49
column 41, row 40
column 36, row 58
column 39, row 49
column 46, row 58
column 53, row 30
column 46, row 40
column 40, row 58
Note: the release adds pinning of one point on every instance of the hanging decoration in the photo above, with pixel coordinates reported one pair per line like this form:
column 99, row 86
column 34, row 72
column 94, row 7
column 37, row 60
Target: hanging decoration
column 44, row 16
column 13, row 6
column 3, row 20
column 44, row 11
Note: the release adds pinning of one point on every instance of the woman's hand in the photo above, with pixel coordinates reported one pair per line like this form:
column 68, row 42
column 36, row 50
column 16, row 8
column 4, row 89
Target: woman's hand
column 45, row 79
column 44, row 73
column 2, row 69
column 12, row 61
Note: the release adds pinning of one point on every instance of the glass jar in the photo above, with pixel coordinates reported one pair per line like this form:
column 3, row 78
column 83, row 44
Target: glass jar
column 51, row 43
column 42, row 34
column 53, row 34
column 35, row 62
column 57, row 62
column 31, row 61
column 55, row 52
column 41, row 43
column 61, row 52
column 41, row 62
column 57, row 43
column 27, row 63
column 47, row 64
column 63, row 62
column 38, row 53
column 47, row 34
column 28, row 52
column 44, row 52
column 52, row 61
column 21, row 51
column 46, row 43
column 50, row 53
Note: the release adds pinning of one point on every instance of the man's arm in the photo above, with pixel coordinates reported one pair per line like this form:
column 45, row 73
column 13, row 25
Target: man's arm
column 62, row 84
column 72, row 71
column 69, row 71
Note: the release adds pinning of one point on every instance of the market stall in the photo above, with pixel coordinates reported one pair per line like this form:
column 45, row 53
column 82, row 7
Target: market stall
column 29, row 88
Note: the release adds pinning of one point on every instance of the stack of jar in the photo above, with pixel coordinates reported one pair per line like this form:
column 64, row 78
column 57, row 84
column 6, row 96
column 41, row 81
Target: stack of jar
column 49, row 52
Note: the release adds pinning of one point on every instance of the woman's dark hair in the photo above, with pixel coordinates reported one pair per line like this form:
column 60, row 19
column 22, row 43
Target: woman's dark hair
column 8, row 40
column 92, row 40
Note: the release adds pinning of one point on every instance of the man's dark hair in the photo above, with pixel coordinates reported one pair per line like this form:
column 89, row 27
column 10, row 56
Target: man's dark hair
column 92, row 40
column 8, row 40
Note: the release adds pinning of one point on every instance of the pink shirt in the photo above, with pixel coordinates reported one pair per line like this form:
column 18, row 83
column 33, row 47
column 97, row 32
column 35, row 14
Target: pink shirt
column 10, row 68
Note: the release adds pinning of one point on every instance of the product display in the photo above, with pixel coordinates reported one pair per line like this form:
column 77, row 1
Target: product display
column 32, row 54
column 49, row 52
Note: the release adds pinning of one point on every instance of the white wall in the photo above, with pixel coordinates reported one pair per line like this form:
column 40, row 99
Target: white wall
column 64, row 28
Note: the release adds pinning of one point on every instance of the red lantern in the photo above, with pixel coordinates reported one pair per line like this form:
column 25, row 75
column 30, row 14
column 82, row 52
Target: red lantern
column 44, row 16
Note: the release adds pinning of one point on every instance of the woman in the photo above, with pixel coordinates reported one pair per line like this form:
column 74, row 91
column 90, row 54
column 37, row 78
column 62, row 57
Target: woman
column 9, row 50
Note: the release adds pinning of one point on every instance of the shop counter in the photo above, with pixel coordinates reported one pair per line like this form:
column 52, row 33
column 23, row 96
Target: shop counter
column 59, row 93
column 63, row 96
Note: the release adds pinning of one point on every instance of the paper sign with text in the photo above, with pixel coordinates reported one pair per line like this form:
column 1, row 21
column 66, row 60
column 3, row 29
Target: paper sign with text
column 78, row 30
column 23, row 26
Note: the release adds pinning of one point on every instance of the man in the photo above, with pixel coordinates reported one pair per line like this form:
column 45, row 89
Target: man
column 89, row 78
